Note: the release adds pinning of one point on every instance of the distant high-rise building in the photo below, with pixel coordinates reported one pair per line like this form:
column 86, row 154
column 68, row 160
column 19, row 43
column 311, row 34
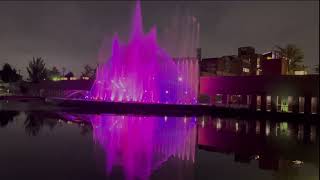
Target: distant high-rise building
column 248, row 59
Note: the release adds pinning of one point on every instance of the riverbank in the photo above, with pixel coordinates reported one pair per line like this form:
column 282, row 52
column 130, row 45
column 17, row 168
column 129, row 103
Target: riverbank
column 31, row 103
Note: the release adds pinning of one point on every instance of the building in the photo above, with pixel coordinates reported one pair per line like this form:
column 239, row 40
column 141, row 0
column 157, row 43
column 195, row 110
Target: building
column 209, row 66
column 248, row 59
column 273, row 64
column 278, row 93
column 246, row 63
column 259, row 82
column 223, row 66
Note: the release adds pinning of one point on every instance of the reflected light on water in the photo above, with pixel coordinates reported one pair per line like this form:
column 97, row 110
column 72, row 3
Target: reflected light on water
column 141, row 145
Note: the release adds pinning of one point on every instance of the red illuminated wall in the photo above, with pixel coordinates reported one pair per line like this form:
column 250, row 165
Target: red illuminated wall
column 285, row 85
column 271, row 67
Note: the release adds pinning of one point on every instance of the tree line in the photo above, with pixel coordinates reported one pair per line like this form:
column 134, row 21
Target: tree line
column 34, row 122
column 38, row 71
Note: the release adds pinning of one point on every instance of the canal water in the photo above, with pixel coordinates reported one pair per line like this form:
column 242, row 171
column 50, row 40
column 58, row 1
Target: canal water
column 50, row 144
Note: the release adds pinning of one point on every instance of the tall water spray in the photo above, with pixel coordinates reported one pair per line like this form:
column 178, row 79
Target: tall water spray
column 142, row 71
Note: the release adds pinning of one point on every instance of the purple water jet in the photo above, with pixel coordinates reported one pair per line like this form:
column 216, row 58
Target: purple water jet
column 142, row 71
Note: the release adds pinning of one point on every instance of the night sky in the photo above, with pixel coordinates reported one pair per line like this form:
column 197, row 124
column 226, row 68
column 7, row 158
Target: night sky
column 69, row 34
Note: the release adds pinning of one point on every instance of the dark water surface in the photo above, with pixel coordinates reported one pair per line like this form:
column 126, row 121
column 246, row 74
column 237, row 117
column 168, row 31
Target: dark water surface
column 41, row 145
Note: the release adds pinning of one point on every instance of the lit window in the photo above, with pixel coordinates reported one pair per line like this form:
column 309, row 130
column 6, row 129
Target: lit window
column 284, row 104
column 268, row 103
column 218, row 99
column 258, row 103
column 267, row 128
column 258, row 72
column 290, row 103
column 246, row 70
column 314, row 105
column 218, row 126
column 257, row 127
column 300, row 73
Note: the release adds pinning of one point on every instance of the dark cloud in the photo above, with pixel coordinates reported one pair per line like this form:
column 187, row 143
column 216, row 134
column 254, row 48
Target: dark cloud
column 69, row 34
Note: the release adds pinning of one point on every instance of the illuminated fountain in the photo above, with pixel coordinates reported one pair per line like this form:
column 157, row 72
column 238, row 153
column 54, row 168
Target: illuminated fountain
column 140, row 145
column 142, row 71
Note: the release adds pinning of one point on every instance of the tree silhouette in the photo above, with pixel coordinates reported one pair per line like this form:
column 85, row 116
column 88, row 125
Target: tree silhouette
column 53, row 73
column 51, row 123
column 69, row 75
column 33, row 124
column 9, row 74
column 6, row 117
column 24, row 88
column 88, row 71
column 37, row 70
column 63, row 71
column 85, row 130
column 293, row 55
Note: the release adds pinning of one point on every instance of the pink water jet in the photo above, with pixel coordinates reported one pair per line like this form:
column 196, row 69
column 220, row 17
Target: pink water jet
column 142, row 71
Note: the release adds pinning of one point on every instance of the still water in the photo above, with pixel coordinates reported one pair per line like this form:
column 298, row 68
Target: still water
column 55, row 145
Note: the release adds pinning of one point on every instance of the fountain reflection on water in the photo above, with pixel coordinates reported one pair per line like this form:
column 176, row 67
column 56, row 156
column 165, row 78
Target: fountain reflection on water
column 140, row 145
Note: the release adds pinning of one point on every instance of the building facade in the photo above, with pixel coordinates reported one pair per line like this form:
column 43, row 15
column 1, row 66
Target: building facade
column 284, row 93
column 246, row 63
